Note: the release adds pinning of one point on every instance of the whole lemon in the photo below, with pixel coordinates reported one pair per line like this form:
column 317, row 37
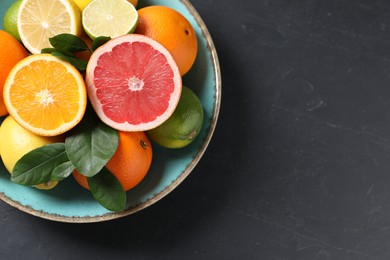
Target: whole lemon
column 16, row 141
column 83, row 3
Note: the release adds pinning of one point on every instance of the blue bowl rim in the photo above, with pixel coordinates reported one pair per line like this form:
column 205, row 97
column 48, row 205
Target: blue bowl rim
column 186, row 171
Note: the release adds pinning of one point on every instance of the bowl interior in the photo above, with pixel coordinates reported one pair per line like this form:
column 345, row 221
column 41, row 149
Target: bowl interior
column 68, row 202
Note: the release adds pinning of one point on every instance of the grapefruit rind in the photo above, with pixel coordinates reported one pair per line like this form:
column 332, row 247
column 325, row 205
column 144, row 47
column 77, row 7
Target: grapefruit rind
column 92, row 89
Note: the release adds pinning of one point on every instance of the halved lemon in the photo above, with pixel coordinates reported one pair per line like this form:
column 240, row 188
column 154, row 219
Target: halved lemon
column 39, row 20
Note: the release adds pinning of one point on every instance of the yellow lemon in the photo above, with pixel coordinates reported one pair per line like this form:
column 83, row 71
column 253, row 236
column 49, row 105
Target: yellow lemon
column 83, row 3
column 39, row 20
column 16, row 141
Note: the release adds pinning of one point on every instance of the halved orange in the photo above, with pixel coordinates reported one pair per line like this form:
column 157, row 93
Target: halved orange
column 45, row 95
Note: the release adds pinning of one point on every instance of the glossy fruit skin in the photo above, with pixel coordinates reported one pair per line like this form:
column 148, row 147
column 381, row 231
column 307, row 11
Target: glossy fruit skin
column 134, row 2
column 11, row 52
column 172, row 30
column 83, row 3
column 185, row 124
column 131, row 161
column 11, row 18
column 16, row 141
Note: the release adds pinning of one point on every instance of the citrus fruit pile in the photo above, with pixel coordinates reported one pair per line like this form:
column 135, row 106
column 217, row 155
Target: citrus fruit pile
column 86, row 86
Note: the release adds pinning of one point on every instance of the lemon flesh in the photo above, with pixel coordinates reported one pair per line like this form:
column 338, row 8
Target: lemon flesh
column 39, row 20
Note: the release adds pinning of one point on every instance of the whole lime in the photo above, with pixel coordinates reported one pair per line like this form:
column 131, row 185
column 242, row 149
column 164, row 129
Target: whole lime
column 183, row 126
column 11, row 18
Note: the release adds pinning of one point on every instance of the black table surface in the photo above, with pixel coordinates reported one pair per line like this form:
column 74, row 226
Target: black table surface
column 299, row 165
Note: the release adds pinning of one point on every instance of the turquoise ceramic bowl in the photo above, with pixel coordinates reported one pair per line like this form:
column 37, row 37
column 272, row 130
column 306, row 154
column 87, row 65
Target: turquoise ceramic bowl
column 68, row 202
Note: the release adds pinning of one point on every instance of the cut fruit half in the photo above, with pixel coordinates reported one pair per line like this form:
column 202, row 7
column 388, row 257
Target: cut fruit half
column 110, row 18
column 133, row 83
column 45, row 95
column 39, row 20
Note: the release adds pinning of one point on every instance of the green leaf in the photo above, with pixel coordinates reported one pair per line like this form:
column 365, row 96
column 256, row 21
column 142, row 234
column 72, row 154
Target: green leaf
column 62, row 171
column 47, row 50
column 37, row 166
column 99, row 41
column 91, row 147
column 81, row 65
column 68, row 42
column 107, row 190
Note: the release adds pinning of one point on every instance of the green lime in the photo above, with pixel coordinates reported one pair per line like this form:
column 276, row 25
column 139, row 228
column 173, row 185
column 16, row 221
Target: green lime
column 11, row 18
column 183, row 126
column 109, row 18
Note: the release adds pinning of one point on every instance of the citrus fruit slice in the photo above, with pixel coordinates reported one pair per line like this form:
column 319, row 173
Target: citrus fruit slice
column 183, row 126
column 45, row 94
column 39, row 20
column 133, row 83
column 110, row 18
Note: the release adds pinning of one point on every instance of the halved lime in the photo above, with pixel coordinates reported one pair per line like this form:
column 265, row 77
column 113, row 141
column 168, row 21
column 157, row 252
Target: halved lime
column 110, row 18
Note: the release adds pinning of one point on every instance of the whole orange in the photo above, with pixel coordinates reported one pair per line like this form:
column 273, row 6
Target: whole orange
column 171, row 29
column 131, row 161
column 11, row 52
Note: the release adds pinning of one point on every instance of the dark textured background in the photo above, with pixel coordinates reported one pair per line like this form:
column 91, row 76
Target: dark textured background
column 299, row 166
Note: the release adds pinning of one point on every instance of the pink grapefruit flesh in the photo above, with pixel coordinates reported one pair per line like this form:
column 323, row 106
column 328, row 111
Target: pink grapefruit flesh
column 133, row 83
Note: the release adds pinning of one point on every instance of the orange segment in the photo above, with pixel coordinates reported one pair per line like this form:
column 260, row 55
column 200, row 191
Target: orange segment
column 45, row 94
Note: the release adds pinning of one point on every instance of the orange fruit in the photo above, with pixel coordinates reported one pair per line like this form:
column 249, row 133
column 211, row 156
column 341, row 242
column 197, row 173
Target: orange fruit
column 130, row 163
column 45, row 94
column 11, row 52
column 171, row 29
column 134, row 2
column 85, row 55
column 133, row 83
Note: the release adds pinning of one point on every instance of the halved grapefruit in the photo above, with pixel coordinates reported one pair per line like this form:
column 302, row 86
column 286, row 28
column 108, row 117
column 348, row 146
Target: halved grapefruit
column 133, row 83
